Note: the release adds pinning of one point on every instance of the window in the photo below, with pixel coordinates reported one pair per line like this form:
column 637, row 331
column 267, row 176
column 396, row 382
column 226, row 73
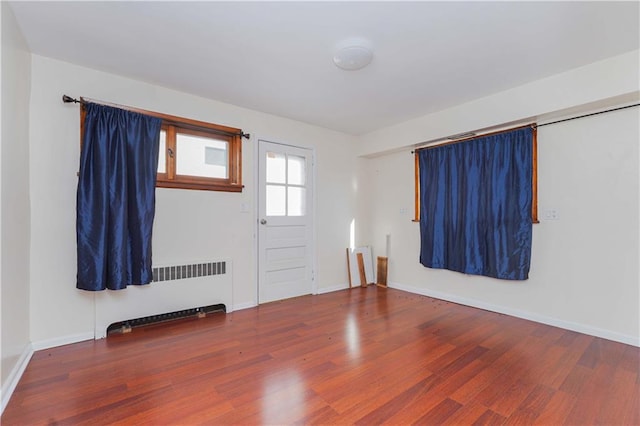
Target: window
column 195, row 154
column 199, row 158
column 285, row 190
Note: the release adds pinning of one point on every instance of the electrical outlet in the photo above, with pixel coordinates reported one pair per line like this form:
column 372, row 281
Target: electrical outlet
column 551, row 214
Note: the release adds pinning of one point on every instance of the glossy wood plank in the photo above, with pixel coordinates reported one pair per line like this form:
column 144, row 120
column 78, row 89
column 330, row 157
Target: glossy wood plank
column 360, row 356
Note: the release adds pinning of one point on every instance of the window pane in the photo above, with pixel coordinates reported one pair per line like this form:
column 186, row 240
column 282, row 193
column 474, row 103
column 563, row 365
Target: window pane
column 276, row 170
column 162, row 154
column 276, row 200
column 201, row 156
column 296, row 171
column 296, row 201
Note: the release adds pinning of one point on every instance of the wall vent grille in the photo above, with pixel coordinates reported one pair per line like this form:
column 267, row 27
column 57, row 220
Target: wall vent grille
column 181, row 272
column 126, row 326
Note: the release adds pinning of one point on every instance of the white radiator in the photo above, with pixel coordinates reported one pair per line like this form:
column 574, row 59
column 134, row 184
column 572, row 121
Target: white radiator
column 175, row 288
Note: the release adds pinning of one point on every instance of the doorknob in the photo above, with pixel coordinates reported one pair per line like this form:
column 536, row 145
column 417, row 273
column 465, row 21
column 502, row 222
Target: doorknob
column 263, row 221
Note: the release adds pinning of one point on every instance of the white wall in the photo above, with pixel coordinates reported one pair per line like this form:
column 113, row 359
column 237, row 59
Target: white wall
column 189, row 224
column 14, row 152
column 201, row 224
column 584, row 273
column 598, row 85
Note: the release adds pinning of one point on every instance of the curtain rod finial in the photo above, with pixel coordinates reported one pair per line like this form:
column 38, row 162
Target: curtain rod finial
column 68, row 99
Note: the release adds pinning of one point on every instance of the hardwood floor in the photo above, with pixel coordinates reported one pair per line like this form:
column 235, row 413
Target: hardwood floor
column 361, row 356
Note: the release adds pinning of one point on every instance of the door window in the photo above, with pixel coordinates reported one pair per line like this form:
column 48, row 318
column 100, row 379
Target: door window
column 285, row 185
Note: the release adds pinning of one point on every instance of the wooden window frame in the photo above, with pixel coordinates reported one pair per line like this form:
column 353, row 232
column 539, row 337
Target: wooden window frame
column 171, row 179
column 534, row 175
column 174, row 125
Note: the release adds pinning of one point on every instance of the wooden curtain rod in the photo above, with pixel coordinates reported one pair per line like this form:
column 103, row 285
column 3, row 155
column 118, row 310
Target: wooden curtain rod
column 223, row 129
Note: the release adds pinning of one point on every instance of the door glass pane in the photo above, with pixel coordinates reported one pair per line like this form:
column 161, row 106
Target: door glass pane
column 201, row 156
column 296, row 201
column 276, row 200
column 276, row 168
column 162, row 154
column 296, row 170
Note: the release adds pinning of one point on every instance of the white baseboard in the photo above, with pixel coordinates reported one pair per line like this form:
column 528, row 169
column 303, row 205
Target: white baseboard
column 61, row 341
column 14, row 376
column 246, row 305
column 568, row 325
column 332, row 289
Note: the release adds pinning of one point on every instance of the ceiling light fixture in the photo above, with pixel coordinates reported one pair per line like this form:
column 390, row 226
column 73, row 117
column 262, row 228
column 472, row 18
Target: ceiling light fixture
column 353, row 54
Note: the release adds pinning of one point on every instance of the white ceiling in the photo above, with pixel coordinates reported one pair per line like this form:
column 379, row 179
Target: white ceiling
column 276, row 57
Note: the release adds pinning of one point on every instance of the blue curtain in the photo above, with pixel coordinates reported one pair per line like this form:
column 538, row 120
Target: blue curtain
column 475, row 199
column 116, row 198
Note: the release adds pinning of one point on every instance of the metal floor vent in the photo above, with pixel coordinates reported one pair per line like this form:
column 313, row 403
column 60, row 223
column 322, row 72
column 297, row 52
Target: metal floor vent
column 126, row 326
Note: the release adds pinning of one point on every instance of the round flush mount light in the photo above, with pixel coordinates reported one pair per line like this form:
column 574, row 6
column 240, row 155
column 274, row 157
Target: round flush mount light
column 353, row 54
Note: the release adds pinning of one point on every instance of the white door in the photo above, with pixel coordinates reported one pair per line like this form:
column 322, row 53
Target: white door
column 285, row 222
